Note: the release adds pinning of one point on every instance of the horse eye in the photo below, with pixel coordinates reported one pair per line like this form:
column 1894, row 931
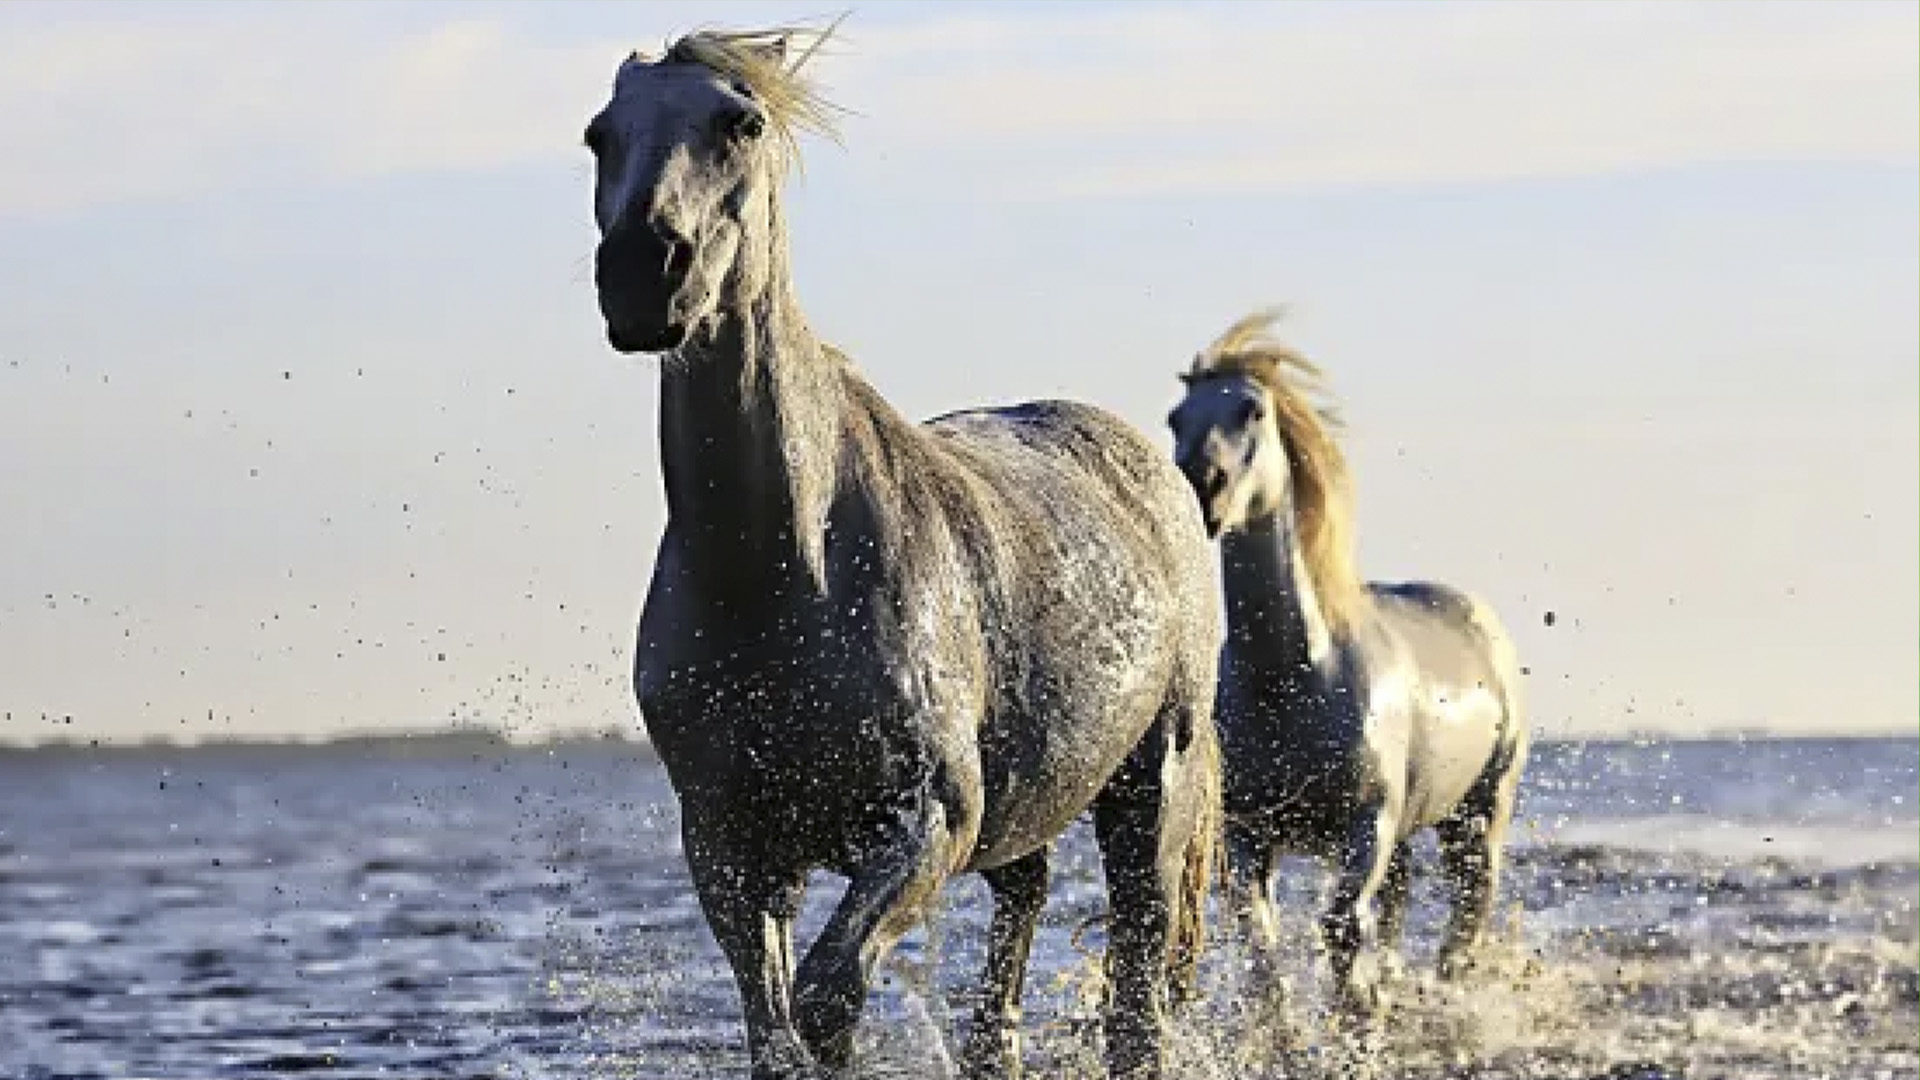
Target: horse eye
column 740, row 125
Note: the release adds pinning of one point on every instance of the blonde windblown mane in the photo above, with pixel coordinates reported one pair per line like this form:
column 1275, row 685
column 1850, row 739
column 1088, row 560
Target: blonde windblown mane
column 758, row 60
column 1308, row 423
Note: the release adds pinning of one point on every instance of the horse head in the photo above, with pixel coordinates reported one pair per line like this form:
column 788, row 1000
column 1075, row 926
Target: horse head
column 1257, row 438
column 1227, row 444
column 689, row 152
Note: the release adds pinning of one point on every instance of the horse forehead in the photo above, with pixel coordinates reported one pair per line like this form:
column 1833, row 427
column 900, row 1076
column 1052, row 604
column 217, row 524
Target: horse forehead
column 1217, row 397
column 640, row 83
column 633, row 69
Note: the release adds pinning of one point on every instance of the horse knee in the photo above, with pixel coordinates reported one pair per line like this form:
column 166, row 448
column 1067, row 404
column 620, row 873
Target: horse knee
column 991, row 1053
column 881, row 903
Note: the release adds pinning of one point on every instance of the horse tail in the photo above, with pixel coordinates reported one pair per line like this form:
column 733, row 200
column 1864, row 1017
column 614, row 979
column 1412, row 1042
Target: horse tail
column 1197, row 872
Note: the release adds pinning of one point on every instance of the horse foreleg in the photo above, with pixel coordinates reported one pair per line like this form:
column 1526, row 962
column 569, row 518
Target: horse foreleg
column 1349, row 928
column 1472, row 849
column 1250, row 869
column 750, row 911
column 882, row 902
column 1019, row 892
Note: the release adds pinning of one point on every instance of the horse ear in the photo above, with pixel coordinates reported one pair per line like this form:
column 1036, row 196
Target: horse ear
column 772, row 50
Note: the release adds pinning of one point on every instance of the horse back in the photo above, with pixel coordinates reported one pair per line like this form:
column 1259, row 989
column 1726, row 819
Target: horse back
column 1054, row 482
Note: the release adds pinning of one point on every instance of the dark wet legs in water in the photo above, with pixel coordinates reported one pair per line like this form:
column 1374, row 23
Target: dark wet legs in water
column 751, row 914
column 1395, row 888
column 1350, row 927
column 1472, row 848
column 992, row 1050
column 881, row 904
column 1251, row 864
column 1143, row 870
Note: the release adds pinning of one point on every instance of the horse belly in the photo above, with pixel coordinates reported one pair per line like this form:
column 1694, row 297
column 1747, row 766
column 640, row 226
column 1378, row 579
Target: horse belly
column 1041, row 774
column 1073, row 700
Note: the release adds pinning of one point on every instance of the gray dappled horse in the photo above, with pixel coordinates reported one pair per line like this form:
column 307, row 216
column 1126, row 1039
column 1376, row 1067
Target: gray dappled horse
column 1351, row 715
column 897, row 652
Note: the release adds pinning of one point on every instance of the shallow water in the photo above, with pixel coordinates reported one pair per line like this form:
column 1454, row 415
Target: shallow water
column 441, row 908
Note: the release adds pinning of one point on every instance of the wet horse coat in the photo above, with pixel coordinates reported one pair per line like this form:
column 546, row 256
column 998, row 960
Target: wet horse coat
column 1351, row 715
column 894, row 651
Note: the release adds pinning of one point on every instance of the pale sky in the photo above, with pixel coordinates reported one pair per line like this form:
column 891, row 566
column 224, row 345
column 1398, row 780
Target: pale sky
column 307, row 423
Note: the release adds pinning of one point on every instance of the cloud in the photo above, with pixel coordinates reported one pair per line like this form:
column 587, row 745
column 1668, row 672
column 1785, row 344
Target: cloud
column 1208, row 101
column 106, row 111
column 1115, row 102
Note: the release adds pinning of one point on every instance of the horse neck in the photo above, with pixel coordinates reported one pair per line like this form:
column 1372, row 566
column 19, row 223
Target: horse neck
column 750, row 430
column 1273, row 613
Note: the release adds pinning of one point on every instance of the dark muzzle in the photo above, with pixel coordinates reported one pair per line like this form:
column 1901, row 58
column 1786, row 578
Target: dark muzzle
column 638, row 271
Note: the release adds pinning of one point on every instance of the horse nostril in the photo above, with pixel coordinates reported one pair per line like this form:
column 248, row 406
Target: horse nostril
column 1216, row 483
column 1208, row 480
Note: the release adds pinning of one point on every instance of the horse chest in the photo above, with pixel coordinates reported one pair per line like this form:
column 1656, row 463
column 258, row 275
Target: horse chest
column 1295, row 752
column 813, row 725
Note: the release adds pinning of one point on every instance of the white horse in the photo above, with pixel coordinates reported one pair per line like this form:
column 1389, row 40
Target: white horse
column 1351, row 715
column 896, row 651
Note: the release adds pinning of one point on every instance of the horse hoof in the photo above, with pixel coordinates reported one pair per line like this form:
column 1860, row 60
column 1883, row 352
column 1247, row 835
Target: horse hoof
column 989, row 1056
column 787, row 1061
column 1362, row 1001
column 1139, row 1070
column 835, row 1054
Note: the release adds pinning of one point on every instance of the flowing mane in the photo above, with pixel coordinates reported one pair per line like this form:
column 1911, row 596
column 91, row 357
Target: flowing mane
column 757, row 59
column 1308, row 422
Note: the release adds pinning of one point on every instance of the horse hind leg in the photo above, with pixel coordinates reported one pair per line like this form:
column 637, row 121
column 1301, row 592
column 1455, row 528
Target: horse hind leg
column 1472, row 851
column 1147, row 820
column 992, row 1050
column 1350, row 927
column 1252, row 855
column 1395, row 891
column 882, row 902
